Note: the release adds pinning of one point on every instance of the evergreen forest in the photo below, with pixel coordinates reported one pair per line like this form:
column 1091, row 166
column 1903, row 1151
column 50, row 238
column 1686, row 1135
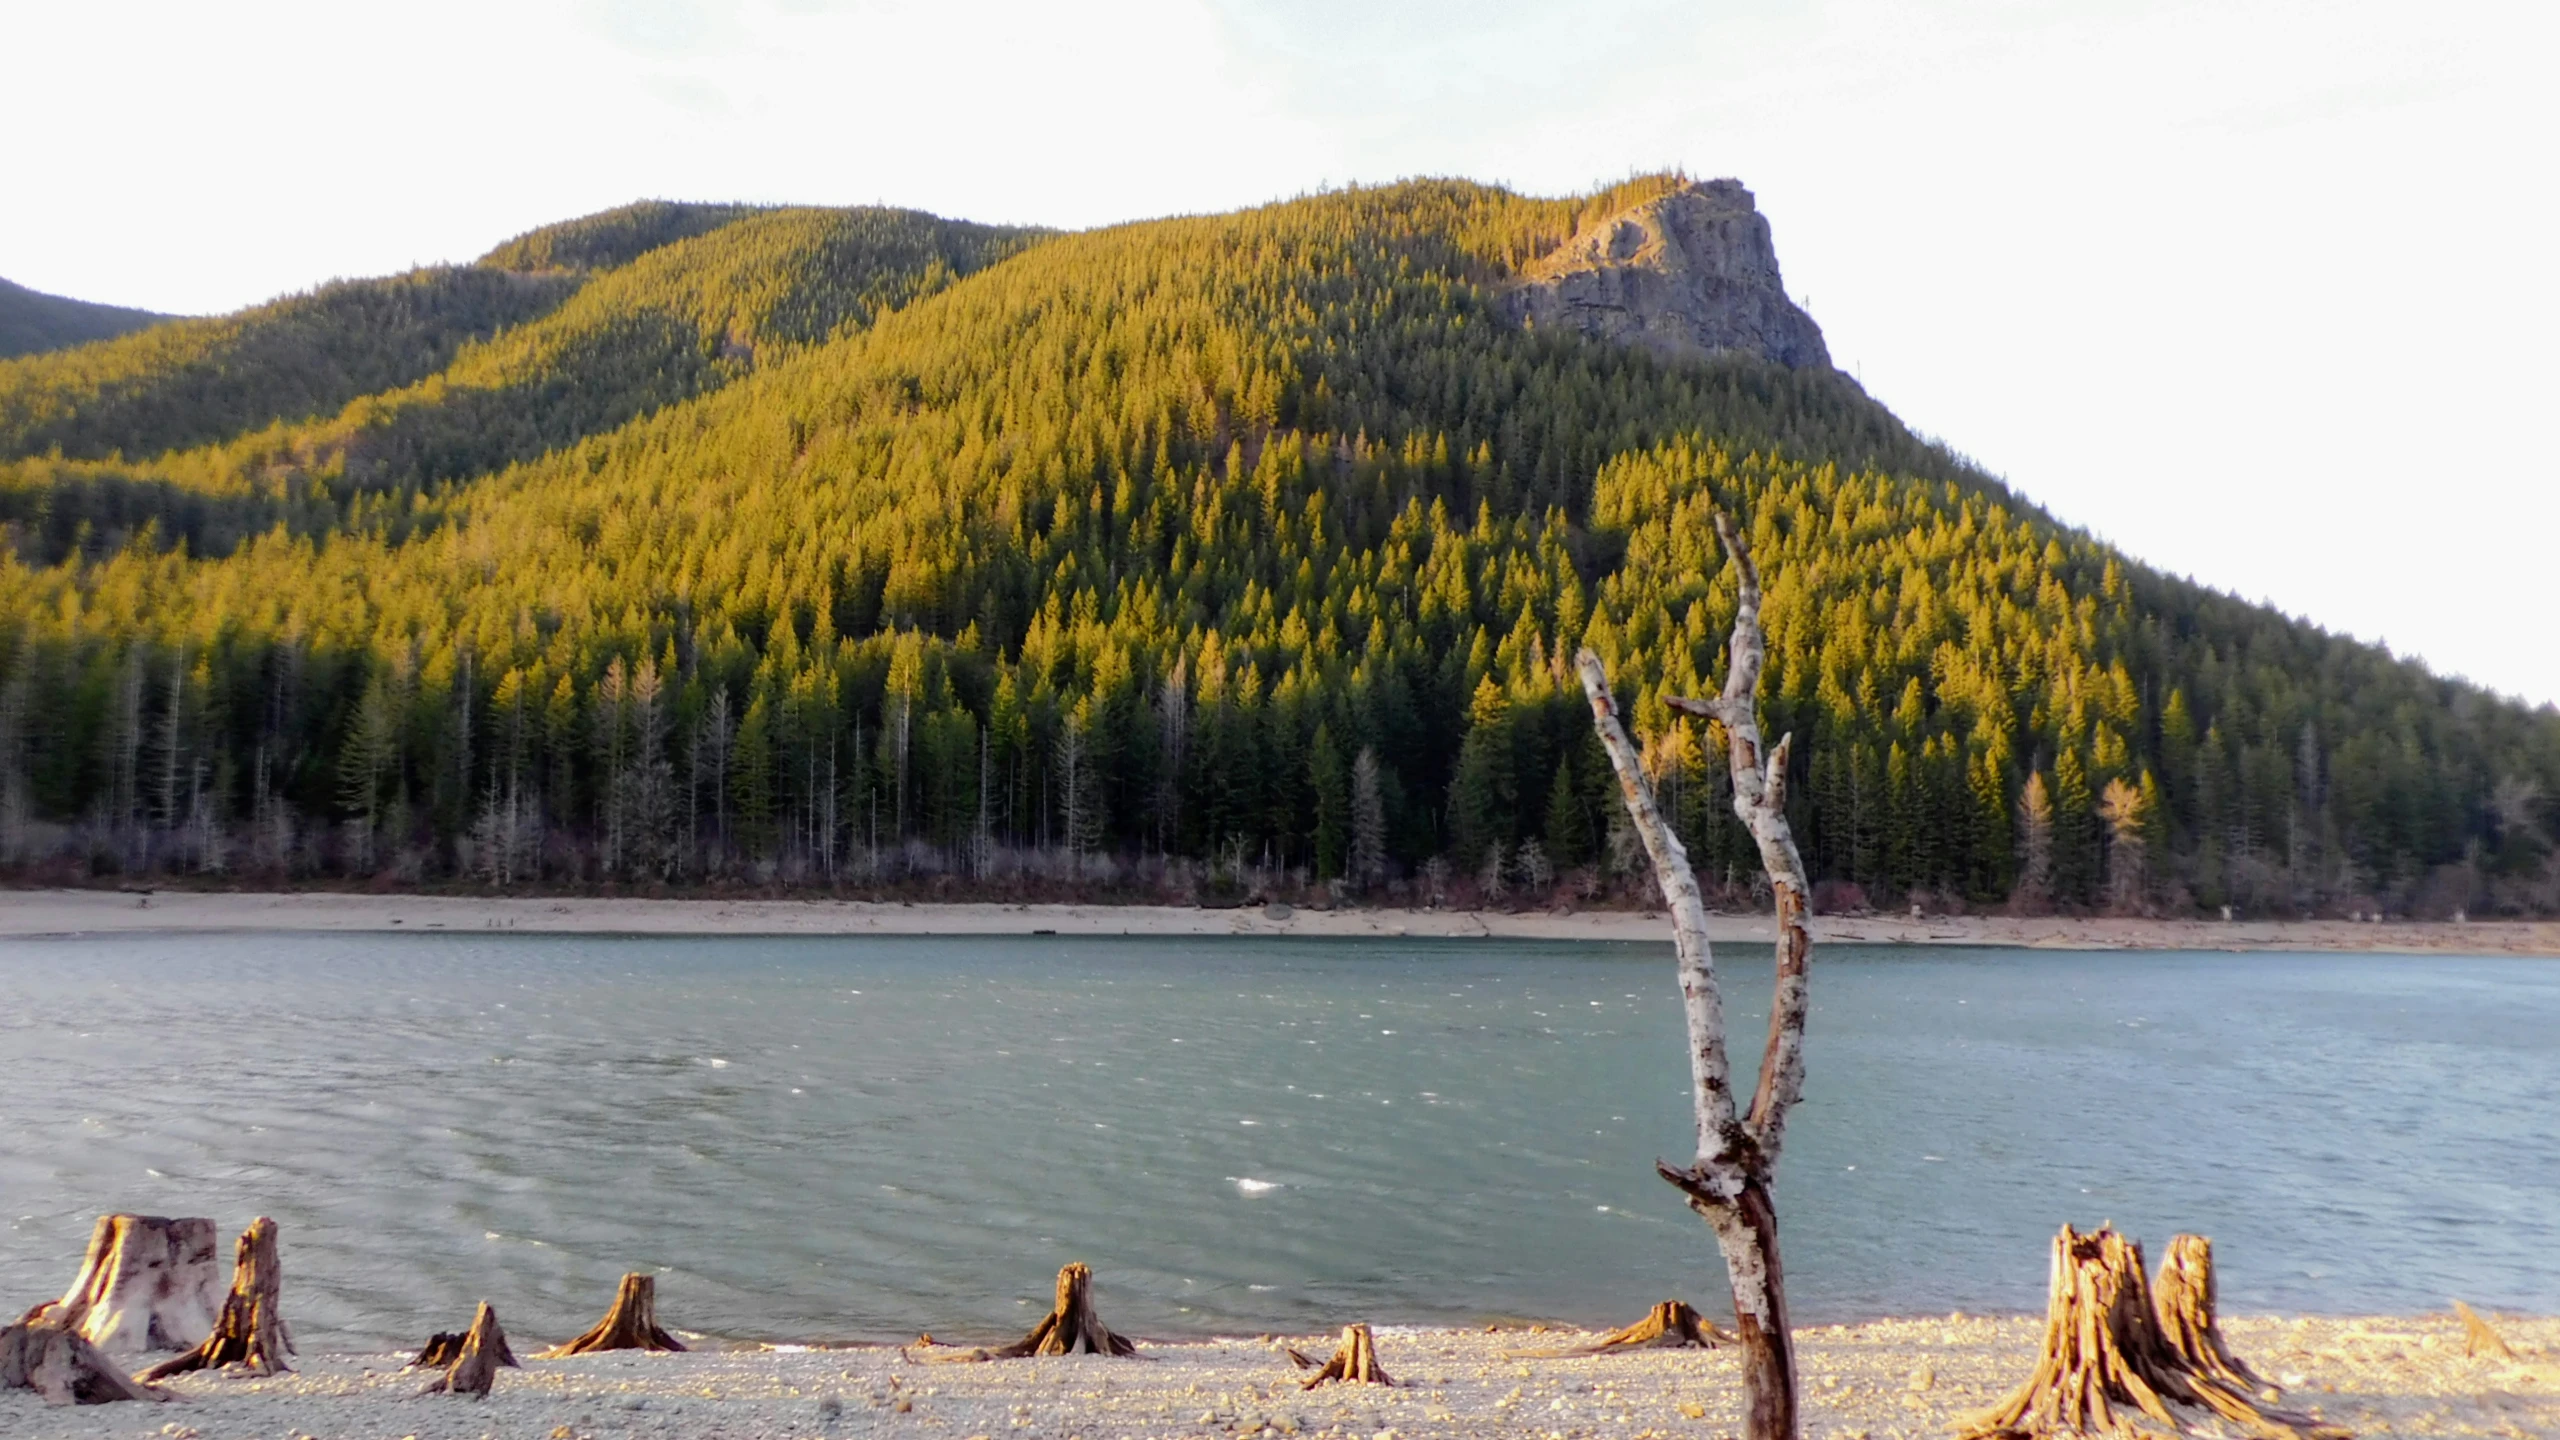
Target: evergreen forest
column 862, row 551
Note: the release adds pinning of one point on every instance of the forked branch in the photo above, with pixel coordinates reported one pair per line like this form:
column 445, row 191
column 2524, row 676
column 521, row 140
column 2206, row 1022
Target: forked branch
column 1729, row 1184
column 1760, row 803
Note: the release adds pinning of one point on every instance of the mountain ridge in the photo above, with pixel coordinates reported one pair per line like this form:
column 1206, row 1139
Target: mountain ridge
column 32, row 322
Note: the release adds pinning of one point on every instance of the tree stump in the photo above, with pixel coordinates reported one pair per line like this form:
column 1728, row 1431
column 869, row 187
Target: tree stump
column 445, row 1346
column 2107, row 1369
column 475, row 1355
column 2478, row 1338
column 1354, row 1360
column 62, row 1366
column 147, row 1283
column 1671, row 1325
column 632, row 1324
column 250, row 1332
column 1070, row 1328
column 2184, row 1303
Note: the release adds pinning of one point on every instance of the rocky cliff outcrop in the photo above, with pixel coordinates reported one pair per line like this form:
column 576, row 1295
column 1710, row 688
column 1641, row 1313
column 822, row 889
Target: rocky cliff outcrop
column 1688, row 273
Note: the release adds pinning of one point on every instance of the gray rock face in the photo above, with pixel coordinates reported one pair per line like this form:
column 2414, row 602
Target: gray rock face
column 1690, row 273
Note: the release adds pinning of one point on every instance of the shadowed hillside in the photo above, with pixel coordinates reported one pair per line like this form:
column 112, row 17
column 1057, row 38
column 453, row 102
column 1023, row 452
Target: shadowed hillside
column 32, row 321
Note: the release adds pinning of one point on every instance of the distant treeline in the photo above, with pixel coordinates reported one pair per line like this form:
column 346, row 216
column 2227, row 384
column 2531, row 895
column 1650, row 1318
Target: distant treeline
column 861, row 549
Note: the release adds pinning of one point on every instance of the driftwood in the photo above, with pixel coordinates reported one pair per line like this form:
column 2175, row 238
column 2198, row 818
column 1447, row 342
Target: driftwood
column 1355, row 1360
column 62, row 1366
column 147, row 1283
column 632, row 1324
column 471, row 1364
column 1671, row 1325
column 1070, row 1328
column 1731, row 1181
column 2477, row 1338
column 2107, row 1369
column 250, row 1332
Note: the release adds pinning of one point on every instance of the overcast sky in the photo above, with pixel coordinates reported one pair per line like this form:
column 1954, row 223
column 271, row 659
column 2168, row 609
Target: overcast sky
column 2260, row 290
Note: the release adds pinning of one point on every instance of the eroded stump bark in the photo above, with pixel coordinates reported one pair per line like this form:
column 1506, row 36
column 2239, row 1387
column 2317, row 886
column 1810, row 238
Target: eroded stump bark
column 60, row 1365
column 1070, row 1328
column 632, row 1324
column 1354, row 1360
column 471, row 1366
column 250, row 1332
column 2106, row 1368
column 148, row 1283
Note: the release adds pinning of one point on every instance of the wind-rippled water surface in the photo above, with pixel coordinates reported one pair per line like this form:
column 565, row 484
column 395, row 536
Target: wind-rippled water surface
column 864, row 1138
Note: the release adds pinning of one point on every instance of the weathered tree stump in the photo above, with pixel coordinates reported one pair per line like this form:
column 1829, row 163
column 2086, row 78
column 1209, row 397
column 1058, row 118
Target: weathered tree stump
column 1671, row 1325
column 250, row 1332
column 2477, row 1338
column 1070, row 1328
column 1355, row 1360
column 445, row 1346
column 632, row 1324
column 442, row 1349
column 2184, row 1303
column 62, row 1366
column 148, row 1283
column 2107, row 1369
column 471, row 1366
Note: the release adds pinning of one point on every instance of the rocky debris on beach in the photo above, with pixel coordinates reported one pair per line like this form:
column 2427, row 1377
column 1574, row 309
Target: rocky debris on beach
column 2378, row 1376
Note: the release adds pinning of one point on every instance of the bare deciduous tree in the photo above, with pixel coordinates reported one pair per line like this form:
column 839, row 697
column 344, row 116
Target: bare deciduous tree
column 1368, row 821
column 1730, row 1182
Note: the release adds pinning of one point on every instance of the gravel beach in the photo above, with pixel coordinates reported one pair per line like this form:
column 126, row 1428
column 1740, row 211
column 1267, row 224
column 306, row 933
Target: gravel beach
column 99, row 912
column 2389, row 1375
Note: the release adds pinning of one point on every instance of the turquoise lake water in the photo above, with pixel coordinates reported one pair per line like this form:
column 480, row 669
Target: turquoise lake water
column 866, row 1138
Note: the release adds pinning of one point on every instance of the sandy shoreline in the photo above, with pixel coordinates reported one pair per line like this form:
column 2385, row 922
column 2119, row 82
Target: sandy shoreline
column 75, row 912
column 1889, row 1380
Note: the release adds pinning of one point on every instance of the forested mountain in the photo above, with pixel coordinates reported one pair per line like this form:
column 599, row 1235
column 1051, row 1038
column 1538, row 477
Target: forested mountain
column 31, row 320
column 689, row 298
column 860, row 549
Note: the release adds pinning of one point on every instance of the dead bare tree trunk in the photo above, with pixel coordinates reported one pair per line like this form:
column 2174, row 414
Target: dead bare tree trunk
column 1729, row 1184
column 1354, row 1360
column 1070, row 1328
column 1671, row 1325
column 469, row 1360
column 632, row 1323
column 148, row 1283
column 2106, row 1368
column 250, row 1331
column 61, row 1366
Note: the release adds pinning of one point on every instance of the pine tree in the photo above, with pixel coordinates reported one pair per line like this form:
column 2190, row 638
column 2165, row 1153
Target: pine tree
column 2035, row 844
column 2122, row 807
column 1482, row 794
column 2075, row 829
column 1568, row 819
column 1332, row 784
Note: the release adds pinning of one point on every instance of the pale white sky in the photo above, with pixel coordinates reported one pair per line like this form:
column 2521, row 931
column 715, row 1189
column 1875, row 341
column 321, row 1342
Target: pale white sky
column 2260, row 290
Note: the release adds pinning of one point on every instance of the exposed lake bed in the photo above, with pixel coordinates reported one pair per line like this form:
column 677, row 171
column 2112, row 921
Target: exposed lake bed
column 1886, row 1380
